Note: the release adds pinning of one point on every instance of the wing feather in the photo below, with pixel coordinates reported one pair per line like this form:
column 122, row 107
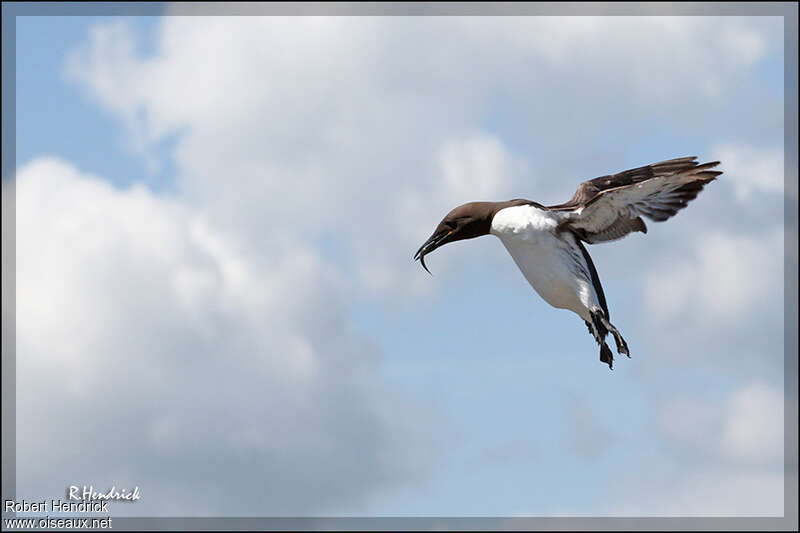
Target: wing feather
column 609, row 207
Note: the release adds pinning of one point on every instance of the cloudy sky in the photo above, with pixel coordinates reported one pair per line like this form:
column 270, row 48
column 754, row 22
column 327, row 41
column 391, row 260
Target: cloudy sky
column 216, row 300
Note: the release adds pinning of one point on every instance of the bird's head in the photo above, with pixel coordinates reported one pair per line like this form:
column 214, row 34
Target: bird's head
column 464, row 222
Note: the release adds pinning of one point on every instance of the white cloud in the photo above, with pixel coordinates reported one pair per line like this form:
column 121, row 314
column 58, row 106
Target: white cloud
column 730, row 276
column 745, row 429
column 353, row 137
column 751, row 170
column 468, row 168
column 692, row 422
column 478, row 167
column 753, row 429
column 728, row 456
column 157, row 352
column 358, row 125
column 709, row 494
column 744, row 44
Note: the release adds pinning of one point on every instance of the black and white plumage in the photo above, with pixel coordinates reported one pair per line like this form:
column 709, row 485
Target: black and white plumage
column 546, row 242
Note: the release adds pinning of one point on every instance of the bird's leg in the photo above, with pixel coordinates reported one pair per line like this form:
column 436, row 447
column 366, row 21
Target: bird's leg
column 622, row 346
column 606, row 356
column 598, row 331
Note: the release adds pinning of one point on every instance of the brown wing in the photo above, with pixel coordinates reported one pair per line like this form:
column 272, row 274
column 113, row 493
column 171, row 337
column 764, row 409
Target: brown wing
column 609, row 207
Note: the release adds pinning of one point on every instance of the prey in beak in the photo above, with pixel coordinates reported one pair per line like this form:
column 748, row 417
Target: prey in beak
column 464, row 222
column 437, row 239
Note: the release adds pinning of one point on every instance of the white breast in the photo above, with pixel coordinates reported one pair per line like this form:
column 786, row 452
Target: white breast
column 549, row 262
column 526, row 221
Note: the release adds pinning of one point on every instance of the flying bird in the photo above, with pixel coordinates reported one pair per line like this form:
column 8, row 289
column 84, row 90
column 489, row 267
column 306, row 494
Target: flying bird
column 547, row 242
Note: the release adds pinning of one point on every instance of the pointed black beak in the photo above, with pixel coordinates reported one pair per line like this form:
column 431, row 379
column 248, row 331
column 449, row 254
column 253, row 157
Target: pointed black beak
column 436, row 240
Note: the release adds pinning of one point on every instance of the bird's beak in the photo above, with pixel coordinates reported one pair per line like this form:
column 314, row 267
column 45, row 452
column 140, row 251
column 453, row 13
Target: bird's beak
column 437, row 239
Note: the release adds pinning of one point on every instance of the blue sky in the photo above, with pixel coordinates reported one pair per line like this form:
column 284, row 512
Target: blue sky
column 226, row 208
column 49, row 108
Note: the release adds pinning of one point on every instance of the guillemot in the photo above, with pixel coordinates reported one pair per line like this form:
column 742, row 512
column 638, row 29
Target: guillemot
column 546, row 242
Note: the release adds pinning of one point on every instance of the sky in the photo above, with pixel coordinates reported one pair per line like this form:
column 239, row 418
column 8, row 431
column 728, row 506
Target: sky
column 217, row 303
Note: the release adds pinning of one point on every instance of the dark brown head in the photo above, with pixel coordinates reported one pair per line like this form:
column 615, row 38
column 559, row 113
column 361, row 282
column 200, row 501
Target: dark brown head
column 464, row 222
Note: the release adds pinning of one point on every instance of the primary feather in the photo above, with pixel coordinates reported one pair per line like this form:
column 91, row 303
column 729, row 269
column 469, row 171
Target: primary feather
column 609, row 207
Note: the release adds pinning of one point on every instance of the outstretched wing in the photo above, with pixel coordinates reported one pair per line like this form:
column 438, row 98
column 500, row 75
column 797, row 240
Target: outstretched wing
column 609, row 207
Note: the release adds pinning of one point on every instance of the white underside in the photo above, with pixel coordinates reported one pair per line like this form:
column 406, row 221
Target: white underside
column 551, row 262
